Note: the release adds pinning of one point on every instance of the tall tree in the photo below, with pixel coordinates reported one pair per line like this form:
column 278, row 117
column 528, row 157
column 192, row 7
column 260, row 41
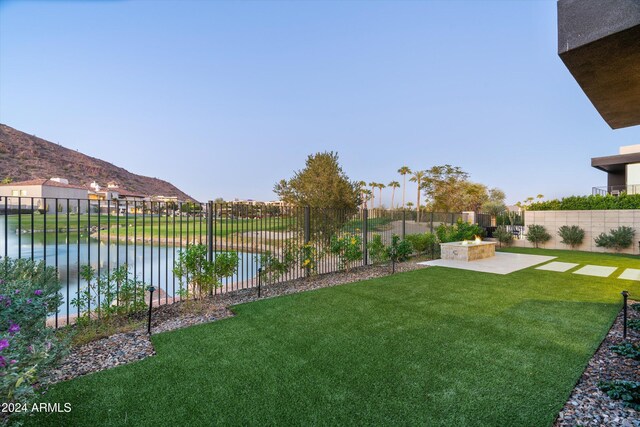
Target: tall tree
column 380, row 187
column 373, row 186
column 404, row 171
column 418, row 177
column 322, row 184
column 444, row 187
column 362, row 185
column 393, row 185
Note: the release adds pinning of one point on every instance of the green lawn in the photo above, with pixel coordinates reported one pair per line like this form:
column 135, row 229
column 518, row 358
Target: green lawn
column 153, row 224
column 429, row 347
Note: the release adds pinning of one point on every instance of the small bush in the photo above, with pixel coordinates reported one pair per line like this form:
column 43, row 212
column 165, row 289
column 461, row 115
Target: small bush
column 203, row 275
column 571, row 235
column 627, row 391
column 635, row 306
column 627, row 349
column 461, row 230
column 422, row 243
column 504, row 236
column 347, row 247
column 377, row 250
column 276, row 265
column 618, row 239
column 634, row 324
column 537, row 234
column 399, row 250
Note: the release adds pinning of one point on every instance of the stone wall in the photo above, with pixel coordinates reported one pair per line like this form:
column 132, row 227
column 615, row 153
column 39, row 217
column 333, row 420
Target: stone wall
column 593, row 223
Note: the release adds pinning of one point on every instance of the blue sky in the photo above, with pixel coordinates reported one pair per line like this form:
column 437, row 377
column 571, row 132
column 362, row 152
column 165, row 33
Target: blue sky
column 226, row 98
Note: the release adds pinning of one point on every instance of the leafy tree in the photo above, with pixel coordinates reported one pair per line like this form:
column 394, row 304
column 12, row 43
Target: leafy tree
column 404, row 171
column 571, row 235
column 473, row 196
column 418, row 177
column 393, row 185
column 538, row 234
column 443, row 187
column 321, row 184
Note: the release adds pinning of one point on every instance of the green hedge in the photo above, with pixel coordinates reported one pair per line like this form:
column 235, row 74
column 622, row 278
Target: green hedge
column 585, row 203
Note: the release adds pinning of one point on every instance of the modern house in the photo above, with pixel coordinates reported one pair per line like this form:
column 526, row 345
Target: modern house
column 623, row 171
column 41, row 194
column 599, row 42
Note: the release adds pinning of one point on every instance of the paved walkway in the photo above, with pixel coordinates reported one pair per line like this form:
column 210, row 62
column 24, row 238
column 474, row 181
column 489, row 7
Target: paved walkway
column 502, row 263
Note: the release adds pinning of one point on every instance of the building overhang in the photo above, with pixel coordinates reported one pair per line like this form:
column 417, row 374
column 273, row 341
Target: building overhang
column 599, row 42
column 615, row 164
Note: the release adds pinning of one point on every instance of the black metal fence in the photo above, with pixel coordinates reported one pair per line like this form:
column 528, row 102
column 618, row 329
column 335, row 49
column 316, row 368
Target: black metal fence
column 147, row 237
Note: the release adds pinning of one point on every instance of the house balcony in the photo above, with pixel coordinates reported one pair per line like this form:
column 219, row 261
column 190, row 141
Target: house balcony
column 616, row 190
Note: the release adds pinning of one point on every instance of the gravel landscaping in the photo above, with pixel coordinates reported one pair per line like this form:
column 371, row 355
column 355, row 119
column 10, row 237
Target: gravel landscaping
column 129, row 347
column 588, row 405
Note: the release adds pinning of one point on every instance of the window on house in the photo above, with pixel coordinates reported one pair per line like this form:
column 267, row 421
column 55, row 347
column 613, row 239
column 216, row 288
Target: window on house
column 23, row 192
column 15, row 193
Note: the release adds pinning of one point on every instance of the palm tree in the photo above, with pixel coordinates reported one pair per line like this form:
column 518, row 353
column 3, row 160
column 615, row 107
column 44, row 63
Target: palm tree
column 367, row 195
column 380, row 187
column 404, row 171
column 373, row 186
column 393, row 185
column 362, row 185
column 417, row 177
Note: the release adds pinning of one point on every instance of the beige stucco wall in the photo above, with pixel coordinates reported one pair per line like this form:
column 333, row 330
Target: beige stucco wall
column 593, row 223
column 39, row 192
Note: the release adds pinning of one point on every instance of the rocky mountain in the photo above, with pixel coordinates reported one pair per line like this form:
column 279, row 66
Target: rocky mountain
column 24, row 157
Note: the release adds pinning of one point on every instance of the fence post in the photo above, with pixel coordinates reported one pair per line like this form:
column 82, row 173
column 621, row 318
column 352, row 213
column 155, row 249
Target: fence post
column 210, row 231
column 365, row 234
column 404, row 223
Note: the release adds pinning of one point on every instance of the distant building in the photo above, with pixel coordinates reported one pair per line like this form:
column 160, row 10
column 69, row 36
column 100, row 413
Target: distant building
column 42, row 195
column 623, row 171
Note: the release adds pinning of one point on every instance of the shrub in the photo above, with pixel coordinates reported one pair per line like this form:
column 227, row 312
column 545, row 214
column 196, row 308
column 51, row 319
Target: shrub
column 504, row 236
column 203, row 275
column 29, row 292
column 461, row 230
column 593, row 202
column 636, row 306
column 571, row 235
column 423, row 242
column 377, row 250
column 399, row 250
column 627, row 391
column 627, row 349
column 347, row 247
column 634, row 324
column 617, row 239
column 308, row 258
column 276, row 265
column 537, row 234
column 128, row 293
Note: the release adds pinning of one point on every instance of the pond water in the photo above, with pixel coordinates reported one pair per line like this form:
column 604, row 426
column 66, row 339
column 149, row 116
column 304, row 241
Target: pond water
column 151, row 264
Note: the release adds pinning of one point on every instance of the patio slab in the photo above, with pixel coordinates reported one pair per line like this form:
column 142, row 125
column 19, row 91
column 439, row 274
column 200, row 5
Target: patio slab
column 596, row 270
column 630, row 274
column 557, row 266
column 502, row 263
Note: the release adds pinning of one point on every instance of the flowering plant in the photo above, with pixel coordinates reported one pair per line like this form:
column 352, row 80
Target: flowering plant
column 348, row 248
column 29, row 291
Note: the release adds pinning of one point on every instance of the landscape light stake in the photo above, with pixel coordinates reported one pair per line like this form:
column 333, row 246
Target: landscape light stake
column 625, row 295
column 259, row 279
column 151, row 289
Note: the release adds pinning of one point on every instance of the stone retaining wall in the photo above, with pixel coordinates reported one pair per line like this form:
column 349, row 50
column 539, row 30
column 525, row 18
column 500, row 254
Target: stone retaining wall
column 593, row 223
